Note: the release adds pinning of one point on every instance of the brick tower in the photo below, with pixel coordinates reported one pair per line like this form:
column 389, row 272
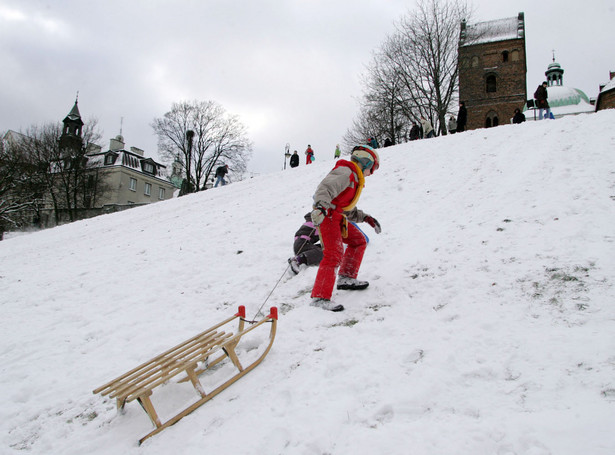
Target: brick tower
column 492, row 70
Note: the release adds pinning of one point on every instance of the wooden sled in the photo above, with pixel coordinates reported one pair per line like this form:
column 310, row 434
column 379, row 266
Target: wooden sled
column 208, row 348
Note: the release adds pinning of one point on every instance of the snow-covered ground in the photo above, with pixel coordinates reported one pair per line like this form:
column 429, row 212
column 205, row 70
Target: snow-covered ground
column 488, row 327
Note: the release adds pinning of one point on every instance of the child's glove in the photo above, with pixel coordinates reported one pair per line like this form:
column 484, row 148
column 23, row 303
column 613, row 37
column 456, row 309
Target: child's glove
column 373, row 222
column 318, row 214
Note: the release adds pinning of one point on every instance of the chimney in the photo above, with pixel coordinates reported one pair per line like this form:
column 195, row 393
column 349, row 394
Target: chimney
column 611, row 75
column 117, row 143
column 137, row 151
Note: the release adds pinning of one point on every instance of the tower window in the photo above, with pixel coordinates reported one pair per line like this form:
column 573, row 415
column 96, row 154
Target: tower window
column 491, row 119
column 514, row 56
column 505, row 56
column 474, row 61
column 491, row 83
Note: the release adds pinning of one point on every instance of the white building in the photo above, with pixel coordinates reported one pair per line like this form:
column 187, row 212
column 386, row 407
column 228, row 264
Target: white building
column 562, row 100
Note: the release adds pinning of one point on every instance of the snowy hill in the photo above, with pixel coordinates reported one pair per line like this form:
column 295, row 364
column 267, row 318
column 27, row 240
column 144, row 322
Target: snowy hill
column 488, row 327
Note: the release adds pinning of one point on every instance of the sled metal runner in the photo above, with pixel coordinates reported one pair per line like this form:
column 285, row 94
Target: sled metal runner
column 208, row 349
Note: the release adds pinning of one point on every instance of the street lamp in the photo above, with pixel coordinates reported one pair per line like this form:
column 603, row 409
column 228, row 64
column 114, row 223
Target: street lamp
column 186, row 184
column 286, row 154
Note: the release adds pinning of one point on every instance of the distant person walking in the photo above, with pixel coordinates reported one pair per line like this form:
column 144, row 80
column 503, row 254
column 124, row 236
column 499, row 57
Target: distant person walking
column 462, row 117
column 415, row 132
column 428, row 131
column 309, row 155
column 452, row 125
column 338, row 152
column 294, row 159
column 541, row 95
column 220, row 174
column 518, row 117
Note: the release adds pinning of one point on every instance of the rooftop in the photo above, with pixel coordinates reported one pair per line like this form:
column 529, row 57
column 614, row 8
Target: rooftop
column 491, row 31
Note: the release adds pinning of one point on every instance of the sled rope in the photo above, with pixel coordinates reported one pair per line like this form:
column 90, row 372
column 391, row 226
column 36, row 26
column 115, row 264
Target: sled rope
column 279, row 279
column 271, row 292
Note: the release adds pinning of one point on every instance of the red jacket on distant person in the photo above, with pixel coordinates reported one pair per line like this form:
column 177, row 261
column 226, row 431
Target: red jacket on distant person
column 309, row 155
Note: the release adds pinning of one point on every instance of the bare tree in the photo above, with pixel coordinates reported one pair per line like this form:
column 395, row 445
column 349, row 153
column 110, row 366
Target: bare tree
column 64, row 178
column 415, row 72
column 217, row 137
column 18, row 190
column 382, row 113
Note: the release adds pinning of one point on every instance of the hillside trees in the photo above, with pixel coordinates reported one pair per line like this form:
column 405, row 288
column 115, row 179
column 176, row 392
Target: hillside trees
column 201, row 135
column 415, row 71
column 70, row 180
column 38, row 173
column 18, row 190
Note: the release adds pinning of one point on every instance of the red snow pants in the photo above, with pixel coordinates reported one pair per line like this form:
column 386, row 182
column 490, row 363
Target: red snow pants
column 334, row 255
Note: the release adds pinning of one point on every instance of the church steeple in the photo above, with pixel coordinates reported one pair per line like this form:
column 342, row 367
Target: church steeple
column 554, row 73
column 73, row 125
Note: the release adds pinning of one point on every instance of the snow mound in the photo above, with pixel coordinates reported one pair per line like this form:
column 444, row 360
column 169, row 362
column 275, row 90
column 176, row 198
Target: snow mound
column 487, row 327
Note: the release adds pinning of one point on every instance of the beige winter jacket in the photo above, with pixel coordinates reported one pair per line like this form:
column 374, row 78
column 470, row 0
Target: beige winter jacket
column 331, row 186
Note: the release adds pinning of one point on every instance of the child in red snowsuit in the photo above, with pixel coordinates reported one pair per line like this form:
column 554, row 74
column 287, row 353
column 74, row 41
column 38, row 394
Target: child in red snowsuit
column 309, row 155
column 334, row 204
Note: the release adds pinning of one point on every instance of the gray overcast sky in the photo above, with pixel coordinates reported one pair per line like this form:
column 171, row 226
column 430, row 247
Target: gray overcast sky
column 289, row 68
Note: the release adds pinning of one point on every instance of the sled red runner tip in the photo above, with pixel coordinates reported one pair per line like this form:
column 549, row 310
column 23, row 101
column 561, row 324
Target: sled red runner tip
column 273, row 313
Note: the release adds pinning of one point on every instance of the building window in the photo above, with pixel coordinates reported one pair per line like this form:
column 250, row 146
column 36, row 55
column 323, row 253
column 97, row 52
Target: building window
column 148, row 168
column 133, row 184
column 474, row 61
column 161, row 194
column 505, row 56
column 148, row 189
column 514, row 56
column 491, row 84
column 109, row 159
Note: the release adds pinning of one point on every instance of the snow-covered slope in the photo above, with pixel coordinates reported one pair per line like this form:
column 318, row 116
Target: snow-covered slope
column 488, row 327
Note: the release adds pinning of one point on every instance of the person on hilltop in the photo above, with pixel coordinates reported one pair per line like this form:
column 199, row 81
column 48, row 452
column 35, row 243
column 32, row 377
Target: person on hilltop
column 335, row 202
column 221, row 172
column 415, row 132
column 309, row 155
column 452, row 125
column 519, row 117
column 428, row 131
column 462, row 117
column 338, row 152
column 541, row 95
column 294, row 159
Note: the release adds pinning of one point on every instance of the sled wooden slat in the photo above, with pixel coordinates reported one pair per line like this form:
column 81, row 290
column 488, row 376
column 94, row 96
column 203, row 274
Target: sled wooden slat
column 208, row 348
column 166, row 369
